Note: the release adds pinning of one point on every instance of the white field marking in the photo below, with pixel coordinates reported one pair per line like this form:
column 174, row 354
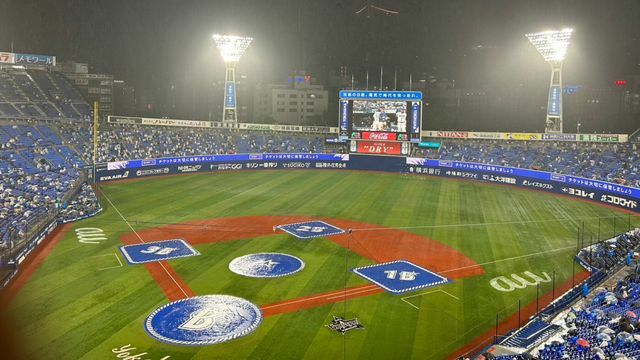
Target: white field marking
column 112, row 267
column 118, row 258
column 311, row 298
column 426, row 293
column 350, row 293
column 511, row 258
column 142, row 241
column 90, row 235
column 481, row 224
column 410, row 304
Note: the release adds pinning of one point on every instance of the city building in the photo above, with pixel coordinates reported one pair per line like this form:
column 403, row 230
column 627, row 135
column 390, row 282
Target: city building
column 93, row 87
column 297, row 102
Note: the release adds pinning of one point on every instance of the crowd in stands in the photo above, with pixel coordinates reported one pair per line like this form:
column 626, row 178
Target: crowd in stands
column 603, row 327
column 606, row 254
column 127, row 142
column 599, row 325
column 618, row 163
column 84, row 203
column 38, row 172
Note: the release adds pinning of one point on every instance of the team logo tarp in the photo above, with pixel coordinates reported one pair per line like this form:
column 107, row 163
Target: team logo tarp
column 310, row 229
column 203, row 320
column 343, row 325
column 400, row 276
column 157, row 251
column 266, row 265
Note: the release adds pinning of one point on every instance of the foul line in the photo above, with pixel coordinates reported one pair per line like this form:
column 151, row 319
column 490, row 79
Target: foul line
column 142, row 241
column 404, row 299
column 511, row 258
column 342, row 294
column 483, row 224
column 112, row 267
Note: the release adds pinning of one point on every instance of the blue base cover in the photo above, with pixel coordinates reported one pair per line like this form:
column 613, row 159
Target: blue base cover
column 400, row 276
column 310, row 229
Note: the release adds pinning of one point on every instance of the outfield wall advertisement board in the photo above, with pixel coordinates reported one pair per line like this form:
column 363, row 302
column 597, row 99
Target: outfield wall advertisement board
column 599, row 191
column 129, row 120
column 485, row 135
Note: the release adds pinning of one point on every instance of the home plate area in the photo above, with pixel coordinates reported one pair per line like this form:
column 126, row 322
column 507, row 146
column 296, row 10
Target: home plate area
column 203, row 320
column 400, row 276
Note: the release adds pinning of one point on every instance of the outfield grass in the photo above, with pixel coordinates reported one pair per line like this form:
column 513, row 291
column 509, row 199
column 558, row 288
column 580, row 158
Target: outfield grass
column 71, row 309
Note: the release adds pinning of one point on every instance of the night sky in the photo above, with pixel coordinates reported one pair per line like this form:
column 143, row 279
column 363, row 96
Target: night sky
column 154, row 43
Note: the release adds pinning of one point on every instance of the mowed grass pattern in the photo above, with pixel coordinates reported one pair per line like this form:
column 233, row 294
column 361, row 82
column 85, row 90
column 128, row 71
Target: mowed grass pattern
column 74, row 308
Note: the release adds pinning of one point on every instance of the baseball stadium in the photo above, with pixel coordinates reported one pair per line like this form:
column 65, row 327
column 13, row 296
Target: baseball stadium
column 372, row 211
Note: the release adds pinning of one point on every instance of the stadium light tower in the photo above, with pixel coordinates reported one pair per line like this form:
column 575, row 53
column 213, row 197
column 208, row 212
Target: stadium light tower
column 552, row 45
column 231, row 49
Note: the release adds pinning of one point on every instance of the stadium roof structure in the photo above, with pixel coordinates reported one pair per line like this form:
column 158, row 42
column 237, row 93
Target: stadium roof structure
column 231, row 47
column 552, row 44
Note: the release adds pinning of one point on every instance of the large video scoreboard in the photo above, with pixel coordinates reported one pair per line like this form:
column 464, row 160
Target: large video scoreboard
column 380, row 122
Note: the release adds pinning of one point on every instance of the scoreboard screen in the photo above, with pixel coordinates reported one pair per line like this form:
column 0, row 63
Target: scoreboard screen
column 370, row 118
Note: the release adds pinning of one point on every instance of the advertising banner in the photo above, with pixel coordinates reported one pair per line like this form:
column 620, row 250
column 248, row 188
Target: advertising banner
column 124, row 120
column 599, row 191
column 522, row 136
column 230, row 95
column 554, row 105
column 173, row 122
column 31, row 59
column 379, row 147
column 485, row 135
column 378, row 136
column 7, row 58
column 602, row 138
column 132, row 169
column 559, row 137
column 415, row 117
column 344, row 115
column 206, row 159
column 380, row 95
column 219, row 125
column 453, row 134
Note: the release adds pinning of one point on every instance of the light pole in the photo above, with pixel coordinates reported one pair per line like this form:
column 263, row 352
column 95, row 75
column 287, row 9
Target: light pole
column 552, row 45
column 231, row 49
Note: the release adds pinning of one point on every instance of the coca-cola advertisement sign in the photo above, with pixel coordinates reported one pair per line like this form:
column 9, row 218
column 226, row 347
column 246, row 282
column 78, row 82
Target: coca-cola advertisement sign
column 378, row 136
column 379, row 147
